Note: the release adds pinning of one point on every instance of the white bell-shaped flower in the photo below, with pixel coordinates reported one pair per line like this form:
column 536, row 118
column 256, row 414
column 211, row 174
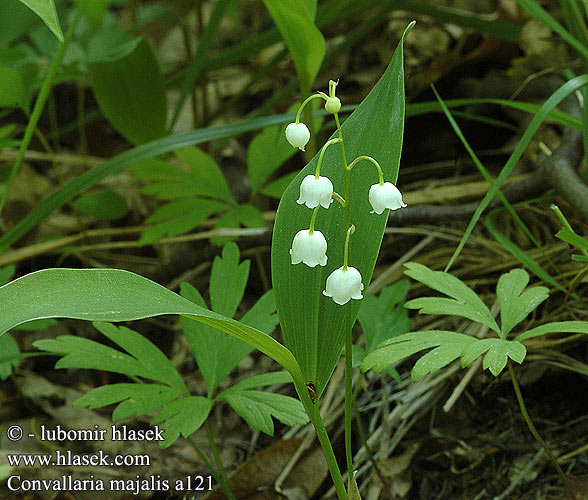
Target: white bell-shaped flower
column 298, row 135
column 310, row 248
column 384, row 196
column 316, row 191
column 343, row 285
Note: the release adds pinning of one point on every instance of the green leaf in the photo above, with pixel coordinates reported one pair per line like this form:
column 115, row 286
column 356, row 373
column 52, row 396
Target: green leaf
column 182, row 417
column 6, row 273
column 130, row 91
column 258, row 407
column 179, row 217
column 12, row 91
column 447, row 345
column 312, row 324
column 257, row 381
column 143, row 359
column 115, row 295
column 555, row 327
column 384, row 317
column 133, row 399
column 498, row 350
column 572, row 238
column 304, row 40
column 206, row 175
column 515, row 304
column 8, row 347
column 246, row 214
column 37, row 324
column 266, row 153
column 105, row 205
column 262, row 315
column 45, row 9
column 464, row 301
column 227, row 280
column 275, row 189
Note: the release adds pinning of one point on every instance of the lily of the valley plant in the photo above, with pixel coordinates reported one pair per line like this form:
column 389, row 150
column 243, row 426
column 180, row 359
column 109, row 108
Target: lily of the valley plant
column 309, row 245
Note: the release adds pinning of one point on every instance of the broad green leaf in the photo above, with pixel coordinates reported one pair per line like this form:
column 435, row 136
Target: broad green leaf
column 267, row 151
column 304, row 40
column 515, row 304
column 498, row 350
column 464, row 301
column 143, row 359
column 130, row 91
column 227, row 280
column 134, row 399
column 258, row 407
column 447, row 346
column 45, row 9
column 37, row 324
column 22, row 21
column 182, row 417
column 206, row 175
column 8, row 347
column 312, row 324
column 12, row 91
column 106, row 205
column 117, row 295
column 555, row 327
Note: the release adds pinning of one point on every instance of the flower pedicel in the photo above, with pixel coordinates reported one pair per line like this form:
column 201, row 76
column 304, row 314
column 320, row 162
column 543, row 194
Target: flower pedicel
column 310, row 246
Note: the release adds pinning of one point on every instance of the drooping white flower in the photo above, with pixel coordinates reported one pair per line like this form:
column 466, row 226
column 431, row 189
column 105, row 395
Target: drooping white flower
column 316, row 191
column 310, row 248
column 384, row 196
column 298, row 135
column 343, row 285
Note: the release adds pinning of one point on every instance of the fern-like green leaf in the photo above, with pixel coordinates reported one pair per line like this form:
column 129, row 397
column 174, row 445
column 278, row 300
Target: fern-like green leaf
column 464, row 301
column 516, row 304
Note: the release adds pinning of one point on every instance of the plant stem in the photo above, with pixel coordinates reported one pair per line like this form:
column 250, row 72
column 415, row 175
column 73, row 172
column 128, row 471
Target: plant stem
column 348, row 321
column 348, row 389
column 533, row 430
column 202, row 456
column 39, row 105
column 221, row 470
column 312, row 410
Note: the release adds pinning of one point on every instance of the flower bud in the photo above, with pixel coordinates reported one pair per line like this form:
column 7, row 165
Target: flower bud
column 344, row 285
column 298, row 135
column 310, row 248
column 384, row 196
column 333, row 105
column 316, row 191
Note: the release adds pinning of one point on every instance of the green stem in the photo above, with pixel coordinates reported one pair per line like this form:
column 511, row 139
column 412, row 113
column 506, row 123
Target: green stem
column 368, row 158
column 350, row 231
column 339, row 198
column 202, row 456
column 221, row 470
column 312, row 410
column 534, row 432
column 313, row 219
column 39, row 105
column 322, row 153
column 348, row 384
column 304, row 103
